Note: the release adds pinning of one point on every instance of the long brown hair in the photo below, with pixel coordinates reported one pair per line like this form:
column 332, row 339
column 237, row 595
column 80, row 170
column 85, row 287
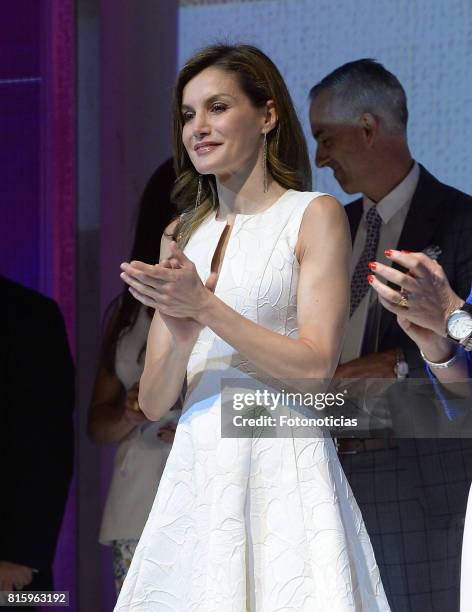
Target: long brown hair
column 287, row 155
column 155, row 212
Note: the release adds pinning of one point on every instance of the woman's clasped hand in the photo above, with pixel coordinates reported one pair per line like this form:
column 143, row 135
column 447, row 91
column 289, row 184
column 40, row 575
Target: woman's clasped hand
column 427, row 295
column 173, row 286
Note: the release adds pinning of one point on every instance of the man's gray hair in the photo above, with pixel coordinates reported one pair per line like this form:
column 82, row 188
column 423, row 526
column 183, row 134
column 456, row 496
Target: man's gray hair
column 365, row 86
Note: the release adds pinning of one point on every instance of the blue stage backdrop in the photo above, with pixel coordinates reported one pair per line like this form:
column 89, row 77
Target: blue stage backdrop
column 426, row 43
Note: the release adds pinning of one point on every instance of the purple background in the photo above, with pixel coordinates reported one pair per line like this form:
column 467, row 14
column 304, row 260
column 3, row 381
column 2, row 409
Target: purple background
column 20, row 89
column 37, row 163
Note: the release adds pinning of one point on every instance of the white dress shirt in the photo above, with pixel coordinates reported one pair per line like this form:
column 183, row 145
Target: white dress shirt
column 393, row 209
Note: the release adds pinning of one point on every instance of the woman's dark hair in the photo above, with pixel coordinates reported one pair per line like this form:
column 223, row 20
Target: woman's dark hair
column 287, row 155
column 155, row 212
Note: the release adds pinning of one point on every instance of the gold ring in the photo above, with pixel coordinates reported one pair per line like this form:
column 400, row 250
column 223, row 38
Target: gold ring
column 135, row 406
column 403, row 301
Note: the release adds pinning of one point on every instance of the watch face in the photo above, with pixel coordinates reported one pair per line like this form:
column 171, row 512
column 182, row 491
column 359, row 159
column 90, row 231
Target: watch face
column 459, row 325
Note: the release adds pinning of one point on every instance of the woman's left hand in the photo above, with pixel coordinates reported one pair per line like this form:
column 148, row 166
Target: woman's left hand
column 425, row 298
column 172, row 286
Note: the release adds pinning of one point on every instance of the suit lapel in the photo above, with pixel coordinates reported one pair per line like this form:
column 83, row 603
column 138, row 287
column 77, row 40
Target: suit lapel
column 418, row 231
column 354, row 215
column 424, row 214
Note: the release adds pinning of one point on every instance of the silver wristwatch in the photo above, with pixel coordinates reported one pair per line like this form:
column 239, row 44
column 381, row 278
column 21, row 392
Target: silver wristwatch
column 459, row 326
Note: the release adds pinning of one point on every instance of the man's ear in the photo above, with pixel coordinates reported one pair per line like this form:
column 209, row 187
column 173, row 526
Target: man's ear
column 271, row 117
column 370, row 128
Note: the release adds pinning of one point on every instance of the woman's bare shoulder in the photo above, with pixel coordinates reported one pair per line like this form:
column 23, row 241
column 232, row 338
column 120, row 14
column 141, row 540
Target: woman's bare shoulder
column 324, row 207
column 324, row 218
column 323, row 213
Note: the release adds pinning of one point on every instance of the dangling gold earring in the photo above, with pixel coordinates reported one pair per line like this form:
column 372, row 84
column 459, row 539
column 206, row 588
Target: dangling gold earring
column 264, row 163
column 199, row 192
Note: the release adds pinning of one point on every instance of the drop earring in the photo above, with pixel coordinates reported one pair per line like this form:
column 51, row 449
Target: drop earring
column 264, row 163
column 199, row 192
column 277, row 135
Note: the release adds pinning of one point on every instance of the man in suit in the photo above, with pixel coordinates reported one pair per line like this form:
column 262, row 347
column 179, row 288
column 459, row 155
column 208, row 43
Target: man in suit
column 412, row 493
column 36, row 435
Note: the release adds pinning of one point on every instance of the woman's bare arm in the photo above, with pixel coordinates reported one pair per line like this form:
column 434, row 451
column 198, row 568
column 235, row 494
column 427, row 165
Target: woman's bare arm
column 182, row 299
column 170, row 342
column 322, row 301
column 110, row 416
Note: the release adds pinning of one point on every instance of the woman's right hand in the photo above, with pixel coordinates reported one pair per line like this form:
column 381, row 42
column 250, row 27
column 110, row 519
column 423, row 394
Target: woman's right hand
column 182, row 329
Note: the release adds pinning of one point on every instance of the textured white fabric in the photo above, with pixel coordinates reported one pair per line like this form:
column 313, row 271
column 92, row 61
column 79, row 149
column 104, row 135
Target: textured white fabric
column 466, row 565
column 238, row 525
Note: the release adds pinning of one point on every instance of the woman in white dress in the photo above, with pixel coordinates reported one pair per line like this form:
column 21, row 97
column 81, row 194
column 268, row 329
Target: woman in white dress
column 253, row 283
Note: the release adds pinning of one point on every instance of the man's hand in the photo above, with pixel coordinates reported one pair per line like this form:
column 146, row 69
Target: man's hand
column 14, row 576
column 372, row 365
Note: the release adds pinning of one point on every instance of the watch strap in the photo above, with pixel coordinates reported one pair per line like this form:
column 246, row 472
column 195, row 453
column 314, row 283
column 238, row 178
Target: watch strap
column 440, row 366
column 467, row 343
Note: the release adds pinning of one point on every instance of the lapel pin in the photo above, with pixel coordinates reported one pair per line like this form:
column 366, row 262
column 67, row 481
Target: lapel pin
column 433, row 251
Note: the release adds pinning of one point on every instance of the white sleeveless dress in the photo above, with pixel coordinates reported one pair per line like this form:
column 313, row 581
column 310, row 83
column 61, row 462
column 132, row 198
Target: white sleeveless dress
column 259, row 525
column 466, row 564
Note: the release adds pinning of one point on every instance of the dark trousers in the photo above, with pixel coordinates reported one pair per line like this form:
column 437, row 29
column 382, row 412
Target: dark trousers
column 413, row 500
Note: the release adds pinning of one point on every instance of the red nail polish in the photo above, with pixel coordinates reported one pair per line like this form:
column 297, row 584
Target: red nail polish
column 405, row 251
column 372, row 265
column 388, row 253
column 370, row 278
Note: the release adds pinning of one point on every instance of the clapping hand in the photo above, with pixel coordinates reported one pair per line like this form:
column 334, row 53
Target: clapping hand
column 173, row 287
column 425, row 297
column 424, row 300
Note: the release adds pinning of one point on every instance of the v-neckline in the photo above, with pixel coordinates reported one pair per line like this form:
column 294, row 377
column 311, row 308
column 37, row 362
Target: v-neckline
column 224, row 223
column 222, row 227
column 225, row 235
